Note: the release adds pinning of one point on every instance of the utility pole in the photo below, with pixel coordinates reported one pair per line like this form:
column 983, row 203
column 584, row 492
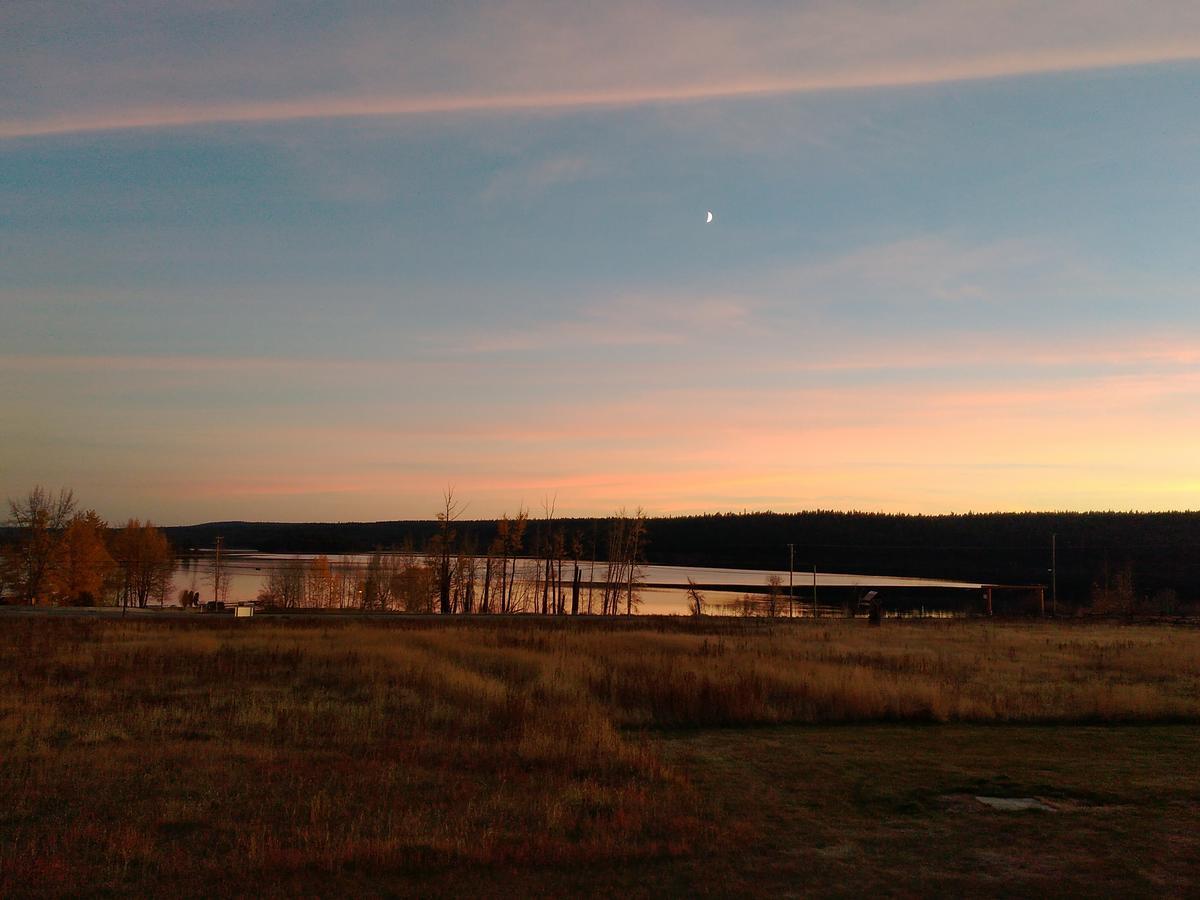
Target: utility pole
column 816, row 609
column 218, row 575
column 1054, row 574
column 791, row 566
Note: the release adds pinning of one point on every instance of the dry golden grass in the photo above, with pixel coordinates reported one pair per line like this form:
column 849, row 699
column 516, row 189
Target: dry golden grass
column 205, row 757
column 142, row 755
column 844, row 672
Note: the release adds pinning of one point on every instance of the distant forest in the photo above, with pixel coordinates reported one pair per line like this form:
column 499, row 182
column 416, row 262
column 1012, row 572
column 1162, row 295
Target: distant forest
column 1153, row 556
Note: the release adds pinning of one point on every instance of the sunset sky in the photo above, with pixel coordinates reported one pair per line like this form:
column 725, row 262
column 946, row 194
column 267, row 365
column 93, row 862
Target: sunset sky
column 314, row 261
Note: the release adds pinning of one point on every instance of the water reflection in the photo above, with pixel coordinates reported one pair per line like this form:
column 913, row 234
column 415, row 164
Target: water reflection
column 663, row 590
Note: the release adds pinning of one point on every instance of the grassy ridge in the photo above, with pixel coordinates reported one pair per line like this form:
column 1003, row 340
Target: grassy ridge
column 188, row 757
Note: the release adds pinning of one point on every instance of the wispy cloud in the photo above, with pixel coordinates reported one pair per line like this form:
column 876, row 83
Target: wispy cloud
column 994, row 351
column 524, row 180
column 630, row 321
column 1116, row 438
column 355, row 107
column 532, row 57
column 233, row 366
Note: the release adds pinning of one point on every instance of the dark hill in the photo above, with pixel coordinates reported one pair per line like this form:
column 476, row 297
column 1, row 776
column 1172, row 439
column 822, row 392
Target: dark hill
column 1161, row 549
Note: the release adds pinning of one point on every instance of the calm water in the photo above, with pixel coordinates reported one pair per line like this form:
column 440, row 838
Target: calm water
column 665, row 593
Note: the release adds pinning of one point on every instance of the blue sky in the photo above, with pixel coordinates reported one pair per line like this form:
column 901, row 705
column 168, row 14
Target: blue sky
column 315, row 262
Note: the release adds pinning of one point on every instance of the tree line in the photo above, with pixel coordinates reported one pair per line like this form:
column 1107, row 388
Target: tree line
column 528, row 565
column 1116, row 562
column 1102, row 559
column 56, row 554
column 60, row 554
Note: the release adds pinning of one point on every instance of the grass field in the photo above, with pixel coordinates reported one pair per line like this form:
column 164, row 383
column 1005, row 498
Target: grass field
column 200, row 757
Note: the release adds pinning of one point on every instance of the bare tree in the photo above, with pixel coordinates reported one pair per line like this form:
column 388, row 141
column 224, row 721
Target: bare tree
column 695, row 598
column 446, row 518
column 145, row 563
column 286, row 585
column 510, row 537
column 613, row 572
column 577, row 575
column 40, row 518
column 560, row 552
column 546, row 546
column 465, row 575
column 219, row 576
column 626, row 543
column 415, row 584
column 747, row 605
column 592, row 570
column 774, row 595
column 379, row 581
column 634, row 549
column 485, row 603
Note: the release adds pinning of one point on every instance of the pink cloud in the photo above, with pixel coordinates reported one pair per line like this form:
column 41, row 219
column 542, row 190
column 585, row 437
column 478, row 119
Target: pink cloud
column 528, row 57
column 1122, row 431
column 196, row 363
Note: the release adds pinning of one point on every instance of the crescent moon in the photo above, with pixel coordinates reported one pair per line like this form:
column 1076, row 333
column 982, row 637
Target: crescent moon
column 709, row 219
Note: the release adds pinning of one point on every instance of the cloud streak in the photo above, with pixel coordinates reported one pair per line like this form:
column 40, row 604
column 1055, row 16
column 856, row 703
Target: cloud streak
column 552, row 101
column 533, row 59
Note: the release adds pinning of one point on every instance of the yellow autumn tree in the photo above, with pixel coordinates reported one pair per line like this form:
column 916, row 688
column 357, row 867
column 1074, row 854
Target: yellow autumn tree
column 320, row 588
column 82, row 567
column 145, row 563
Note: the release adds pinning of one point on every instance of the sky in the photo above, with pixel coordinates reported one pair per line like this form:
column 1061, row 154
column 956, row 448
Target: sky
column 317, row 261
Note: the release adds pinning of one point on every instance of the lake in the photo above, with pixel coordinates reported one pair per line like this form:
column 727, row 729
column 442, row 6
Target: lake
column 664, row 590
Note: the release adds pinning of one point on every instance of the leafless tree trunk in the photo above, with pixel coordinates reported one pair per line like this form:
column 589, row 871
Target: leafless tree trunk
column 485, row 606
column 575, row 585
column 637, row 531
column 625, row 543
column 503, row 538
column 466, row 575
column 514, row 536
column 592, row 571
column 558, row 581
column 450, row 512
column 774, row 592
column 695, row 599
column 220, row 573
